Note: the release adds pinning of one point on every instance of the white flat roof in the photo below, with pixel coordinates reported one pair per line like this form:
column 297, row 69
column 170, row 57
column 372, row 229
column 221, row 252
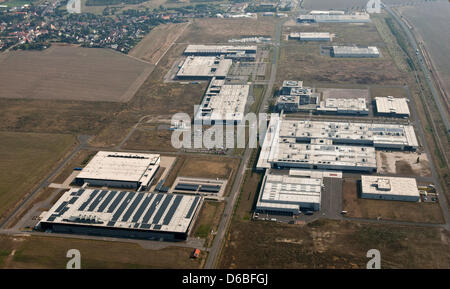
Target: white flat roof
column 290, row 190
column 343, row 104
column 378, row 134
column 382, row 185
column 223, row 102
column 121, row 166
column 392, row 105
column 218, row 49
column 204, row 66
column 352, row 50
column 131, row 210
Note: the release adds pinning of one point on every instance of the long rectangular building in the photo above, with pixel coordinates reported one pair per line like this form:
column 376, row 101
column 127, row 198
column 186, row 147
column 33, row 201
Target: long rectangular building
column 242, row 53
column 204, row 67
column 355, row 52
column 330, row 145
column 122, row 214
column 378, row 135
column 311, row 36
column 334, row 18
column 120, row 169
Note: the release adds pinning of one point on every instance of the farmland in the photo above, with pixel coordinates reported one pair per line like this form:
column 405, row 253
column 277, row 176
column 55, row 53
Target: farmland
column 336, row 5
column 333, row 244
column 50, row 252
column 26, row 159
column 70, row 73
column 216, row 30
column 157, row 42
column 321, row 68
column 389, row 210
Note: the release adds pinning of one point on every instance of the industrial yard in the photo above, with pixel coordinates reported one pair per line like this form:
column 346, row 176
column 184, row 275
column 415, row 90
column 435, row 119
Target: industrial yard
column 346, row 163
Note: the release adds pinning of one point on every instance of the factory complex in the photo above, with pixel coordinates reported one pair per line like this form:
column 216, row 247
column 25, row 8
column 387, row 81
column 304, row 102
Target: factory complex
column 355, row 52
column 389, row 188
column 295, row 97
column 120, row 170
column 330, row 145
column 122, row 214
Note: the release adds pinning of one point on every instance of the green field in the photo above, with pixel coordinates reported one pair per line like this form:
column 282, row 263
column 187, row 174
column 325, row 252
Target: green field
column 26, row 159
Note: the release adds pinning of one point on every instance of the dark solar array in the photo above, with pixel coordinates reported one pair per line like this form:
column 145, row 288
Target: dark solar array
column 83, row 206
column 151, row 210
column 157, row 227
column 97, row 201
column 213, row 189
column 172, row 210
column 111, row 224
column 145, row 226
column 60, row 207
column 133, row 206
column 186, row 187
column 73, row 200
column 122, row 207
column 142, row 208
column 107, row 201
column 116, row 202
column 162, row 209
column 191, row 210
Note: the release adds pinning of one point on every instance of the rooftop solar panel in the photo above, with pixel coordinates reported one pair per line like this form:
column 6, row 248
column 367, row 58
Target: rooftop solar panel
column 92, row 195
column 191, row 210
column 214, row 189
column 172, row 210
column 151, row 210
column 116, row 202
column 122, row 207
column 142, row 208
column 107, row 201
column 63, row 204
column 97, row 201
column 162, row 209
column 133, row 206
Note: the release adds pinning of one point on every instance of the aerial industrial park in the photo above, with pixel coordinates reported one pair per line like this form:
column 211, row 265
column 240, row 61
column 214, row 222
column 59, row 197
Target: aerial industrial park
column 351, row 148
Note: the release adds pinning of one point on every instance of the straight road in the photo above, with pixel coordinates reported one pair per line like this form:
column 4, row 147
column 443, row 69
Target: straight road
column 412, row 42
column 217, row 245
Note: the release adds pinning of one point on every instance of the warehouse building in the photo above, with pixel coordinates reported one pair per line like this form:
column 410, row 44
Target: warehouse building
column 334, row 18
column 355, row 52
column 287, row 195
column 352, row 106
column 222, row 103
column 322, row 154
column 327, row 12
column 330, row 145
column 204, row 67
column 122, row 214
column 378, row 135
column 389, row 188
column 392, row 106
column 239, row 53
column 311, row 36
column 120, row 170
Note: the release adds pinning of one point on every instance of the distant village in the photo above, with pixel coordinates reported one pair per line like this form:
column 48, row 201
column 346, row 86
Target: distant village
column 35, row 27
